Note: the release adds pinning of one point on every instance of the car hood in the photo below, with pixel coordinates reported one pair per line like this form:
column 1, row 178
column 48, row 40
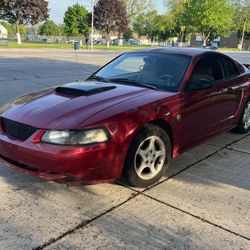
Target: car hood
column 69, row 105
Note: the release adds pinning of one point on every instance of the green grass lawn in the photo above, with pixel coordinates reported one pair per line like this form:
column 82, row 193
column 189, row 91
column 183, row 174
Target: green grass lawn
column 38, row 45
column 116, row 47
column 229, row 49
column 29, row 45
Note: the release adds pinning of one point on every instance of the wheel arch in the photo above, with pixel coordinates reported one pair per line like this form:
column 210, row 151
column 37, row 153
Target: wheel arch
column 160, row 123
column 167, row 128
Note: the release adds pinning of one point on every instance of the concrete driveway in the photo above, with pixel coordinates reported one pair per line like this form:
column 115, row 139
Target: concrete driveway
column 203, row 202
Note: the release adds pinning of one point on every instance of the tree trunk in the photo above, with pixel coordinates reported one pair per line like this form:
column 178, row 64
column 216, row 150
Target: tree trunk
column 204, row 41
column 205, row 38
column 18, row 33
column 243, row 35
column 183, row 36
column 108, row 41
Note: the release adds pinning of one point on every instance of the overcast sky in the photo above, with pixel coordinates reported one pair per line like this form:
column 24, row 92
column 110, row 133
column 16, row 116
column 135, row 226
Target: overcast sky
column 58, row 7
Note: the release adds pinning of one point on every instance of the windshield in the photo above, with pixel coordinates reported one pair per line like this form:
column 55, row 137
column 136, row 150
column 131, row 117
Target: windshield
column 160, row 71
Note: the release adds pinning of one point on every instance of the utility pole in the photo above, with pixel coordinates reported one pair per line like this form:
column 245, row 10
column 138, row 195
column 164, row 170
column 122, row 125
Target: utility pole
column 92, row 25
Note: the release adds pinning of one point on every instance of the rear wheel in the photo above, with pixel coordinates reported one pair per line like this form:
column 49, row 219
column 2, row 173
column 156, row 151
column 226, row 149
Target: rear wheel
column 244, row 123
column 148, row 157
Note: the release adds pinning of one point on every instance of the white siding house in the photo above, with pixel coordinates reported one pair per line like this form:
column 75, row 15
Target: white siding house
column 3, row 32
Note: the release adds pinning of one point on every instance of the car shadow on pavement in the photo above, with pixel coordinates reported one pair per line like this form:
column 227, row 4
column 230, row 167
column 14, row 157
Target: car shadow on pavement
column 17, row 181
column 145, row 224
column 213, row 163
column 219, row 163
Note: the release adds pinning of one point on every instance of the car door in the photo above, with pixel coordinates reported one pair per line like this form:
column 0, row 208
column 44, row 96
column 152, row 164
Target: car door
column 206, row 111
column 233, row 81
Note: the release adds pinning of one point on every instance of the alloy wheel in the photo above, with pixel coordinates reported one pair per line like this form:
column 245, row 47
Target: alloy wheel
column 150, row 157
column 246, row 116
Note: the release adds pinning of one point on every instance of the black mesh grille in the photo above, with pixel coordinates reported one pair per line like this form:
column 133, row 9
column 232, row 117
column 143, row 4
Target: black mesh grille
column 20, row 165
column 17, row 129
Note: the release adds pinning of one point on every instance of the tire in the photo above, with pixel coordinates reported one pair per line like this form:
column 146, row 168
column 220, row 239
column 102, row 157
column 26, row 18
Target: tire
column 148, row 157
column 244, row 122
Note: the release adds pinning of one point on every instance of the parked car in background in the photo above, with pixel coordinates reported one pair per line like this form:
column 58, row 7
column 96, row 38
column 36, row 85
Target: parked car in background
column 4, row 42
column 127, row 119
column 213, row 46
column 97, row 42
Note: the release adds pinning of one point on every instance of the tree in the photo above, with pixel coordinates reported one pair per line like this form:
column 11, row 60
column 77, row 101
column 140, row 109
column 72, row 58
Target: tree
column 242, row 19
column 49, row 28
column 61, row 28
column 137, row 7
column 23, row 12
column 174, row 18
column 209, row 17
column 163, row 28
column 128, row 34
column 9, row 27
column 145, row 24
column 76, row 20
column 110, row 16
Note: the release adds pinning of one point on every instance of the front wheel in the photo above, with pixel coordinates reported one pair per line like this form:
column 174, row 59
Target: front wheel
column 148, row 157
column 244, row 123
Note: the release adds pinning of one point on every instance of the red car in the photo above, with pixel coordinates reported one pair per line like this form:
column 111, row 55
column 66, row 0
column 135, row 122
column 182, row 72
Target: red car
column 128, row 119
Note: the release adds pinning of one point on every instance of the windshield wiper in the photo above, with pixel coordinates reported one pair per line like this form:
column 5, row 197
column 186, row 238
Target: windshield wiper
column 133, row 82
column 98, row 78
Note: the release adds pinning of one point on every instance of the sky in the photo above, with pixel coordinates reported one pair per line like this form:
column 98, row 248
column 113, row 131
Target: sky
column 58, row 7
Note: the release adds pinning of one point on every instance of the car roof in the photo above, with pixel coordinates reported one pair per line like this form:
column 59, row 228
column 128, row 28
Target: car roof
column 180, row 51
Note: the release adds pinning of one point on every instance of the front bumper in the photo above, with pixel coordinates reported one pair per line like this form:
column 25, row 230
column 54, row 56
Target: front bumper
column 87, row 164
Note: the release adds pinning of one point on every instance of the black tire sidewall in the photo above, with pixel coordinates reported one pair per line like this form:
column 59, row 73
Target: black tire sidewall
column 240, row 128
column 129, row 169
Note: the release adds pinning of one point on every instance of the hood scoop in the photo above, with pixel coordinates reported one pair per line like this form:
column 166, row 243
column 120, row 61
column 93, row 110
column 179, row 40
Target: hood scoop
column 83, row 89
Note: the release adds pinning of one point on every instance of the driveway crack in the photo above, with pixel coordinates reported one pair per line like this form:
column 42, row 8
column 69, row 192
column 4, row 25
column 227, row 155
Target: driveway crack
column 83, row 224
column 197, row 217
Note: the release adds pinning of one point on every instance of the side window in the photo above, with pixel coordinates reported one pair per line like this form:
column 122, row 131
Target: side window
column 207, row 68
column 229, row 67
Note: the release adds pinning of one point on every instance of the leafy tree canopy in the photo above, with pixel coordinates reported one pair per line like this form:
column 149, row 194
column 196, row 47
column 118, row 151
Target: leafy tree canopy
column 174, row 17
column 209, row 17
column 242, row 18
column 23, row 12
column 138, row 7
column 50, row 28
column 10, row 28
column 76, row 21
column 111, row 16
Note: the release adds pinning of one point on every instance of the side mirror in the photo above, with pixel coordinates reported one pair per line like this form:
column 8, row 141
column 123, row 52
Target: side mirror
column 201, row 84
column 247, row 65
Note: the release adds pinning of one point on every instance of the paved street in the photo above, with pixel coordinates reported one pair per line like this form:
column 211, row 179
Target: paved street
column 203, row 201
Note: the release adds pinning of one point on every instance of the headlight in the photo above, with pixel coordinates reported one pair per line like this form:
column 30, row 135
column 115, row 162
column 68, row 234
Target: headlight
column 85, row 137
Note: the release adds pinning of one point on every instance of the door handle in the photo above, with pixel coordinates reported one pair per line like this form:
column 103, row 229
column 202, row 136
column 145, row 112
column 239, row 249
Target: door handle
column 225, row 90
column 235, row 88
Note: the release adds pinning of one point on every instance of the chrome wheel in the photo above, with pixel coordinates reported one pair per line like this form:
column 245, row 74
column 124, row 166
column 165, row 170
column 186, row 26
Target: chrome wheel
column 150, row 157
column 246, row 116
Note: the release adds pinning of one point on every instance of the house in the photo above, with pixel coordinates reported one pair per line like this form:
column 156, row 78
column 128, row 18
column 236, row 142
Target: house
column 230, row 42
column 3, row 32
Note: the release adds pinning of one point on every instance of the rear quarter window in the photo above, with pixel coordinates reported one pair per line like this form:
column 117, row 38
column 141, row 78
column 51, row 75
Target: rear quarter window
column 230, row 67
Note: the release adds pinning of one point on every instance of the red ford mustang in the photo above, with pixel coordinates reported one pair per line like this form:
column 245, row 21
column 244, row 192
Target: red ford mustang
column 128, row 119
